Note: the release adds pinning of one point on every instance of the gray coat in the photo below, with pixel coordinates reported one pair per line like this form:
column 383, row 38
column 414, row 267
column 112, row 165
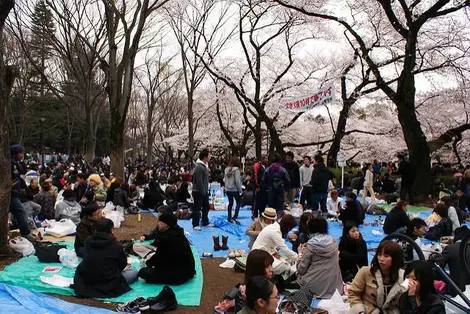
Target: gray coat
column 201, row 179
column 319, row 266
column 232, row 180
column 68, row 209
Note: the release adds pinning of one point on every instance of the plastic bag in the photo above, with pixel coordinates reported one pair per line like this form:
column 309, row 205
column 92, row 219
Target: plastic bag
column 22, row 245
column 335, row 305
column 68, row 258
column 108, row 208
column 61, row 228
column 117, row 216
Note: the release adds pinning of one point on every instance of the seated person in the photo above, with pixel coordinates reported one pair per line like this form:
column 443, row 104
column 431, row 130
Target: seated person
column 334, row 203
column 267, row 218
column 46, row 199
column 351, row 211
column 121, row 196
column 152, row 197
column 455, row 214
column 451, row 254
column 182, row 194
column 421, row 296
column 388, row 185
column 397, row 220
column 112, row 187
column 416, row 230
column 318, row 264
column 68, row 208
column 173, row 261
column 262, row 296
column 31, row 208
column 352, row 252
column 303, row 232
column 95, row 184
column 102, row 272
column 91, row 215
column 444, row 224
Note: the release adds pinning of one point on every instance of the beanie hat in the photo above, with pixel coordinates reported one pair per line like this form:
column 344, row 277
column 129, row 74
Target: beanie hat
column 16, row 149
column 169, row 219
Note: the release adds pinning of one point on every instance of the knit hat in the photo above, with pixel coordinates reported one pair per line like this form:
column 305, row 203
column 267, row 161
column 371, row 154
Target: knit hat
column 169, row 219
column 16, row 149
column 269, row 213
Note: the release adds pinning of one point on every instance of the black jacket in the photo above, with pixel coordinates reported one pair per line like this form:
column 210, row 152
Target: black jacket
column 406, row 172
column 458, row 274
column 442, row 229
column 81, row 189
column 120, row 198
column 432, row 305
column 182, row 194
column 352, row 256
column 351, row 212
column 321, row 175
column 99, row 275
column 173, row 262
column 152, row 198
column 396, row 219
column 294, row 174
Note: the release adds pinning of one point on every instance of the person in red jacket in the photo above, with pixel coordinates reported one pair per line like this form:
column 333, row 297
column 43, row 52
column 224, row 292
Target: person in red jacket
column 261, row 195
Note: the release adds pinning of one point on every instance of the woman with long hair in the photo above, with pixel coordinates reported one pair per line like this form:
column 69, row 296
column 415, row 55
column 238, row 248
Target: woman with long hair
column 262, row 297
column 352, row 252
column 397, row 220
column 377, row 288
column 233, row 187
column 444, row 224
column 302, row 233
column 421, row 297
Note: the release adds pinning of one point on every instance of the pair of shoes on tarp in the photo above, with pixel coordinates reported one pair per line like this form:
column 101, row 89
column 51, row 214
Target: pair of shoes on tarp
column 165, row 301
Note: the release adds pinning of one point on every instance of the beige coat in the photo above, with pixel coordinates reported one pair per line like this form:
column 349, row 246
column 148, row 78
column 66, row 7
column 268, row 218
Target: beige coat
column 366, row 293
column 253, row 230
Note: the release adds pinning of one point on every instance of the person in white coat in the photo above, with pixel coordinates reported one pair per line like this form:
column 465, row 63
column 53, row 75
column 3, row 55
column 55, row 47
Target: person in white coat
column 368, row 182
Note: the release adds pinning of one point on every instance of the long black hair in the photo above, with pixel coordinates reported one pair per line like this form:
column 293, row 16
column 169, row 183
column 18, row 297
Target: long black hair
column 258, row 288
column 345, row 238
column 422, row 271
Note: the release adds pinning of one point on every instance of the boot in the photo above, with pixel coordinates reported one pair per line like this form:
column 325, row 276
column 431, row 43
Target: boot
column 224, row 243
column 216, row 243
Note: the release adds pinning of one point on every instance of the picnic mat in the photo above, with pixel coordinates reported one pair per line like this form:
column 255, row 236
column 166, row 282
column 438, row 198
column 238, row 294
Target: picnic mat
column 411, row 208
column 20, row 300
column 26, row 272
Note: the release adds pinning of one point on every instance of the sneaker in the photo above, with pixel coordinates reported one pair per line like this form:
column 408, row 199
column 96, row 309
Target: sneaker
column 145, row 306
column 197, row 228
column 209, row 225
column 131, row 306
column 166, row 303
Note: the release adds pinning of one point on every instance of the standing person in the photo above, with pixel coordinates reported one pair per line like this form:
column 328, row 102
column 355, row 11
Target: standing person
column 293, row 170
column 378, row 288
column 368, row 185
column 17, row 187
column 321, row 175
column 276, row 181
column 261, row 195
column 305, row 172
column 406, row 172
column 233, row 187
column 200, row 191
column 352, row 252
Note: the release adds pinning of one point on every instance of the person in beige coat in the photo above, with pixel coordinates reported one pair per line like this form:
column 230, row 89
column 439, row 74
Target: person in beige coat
column 378, row 288
column 267, row 218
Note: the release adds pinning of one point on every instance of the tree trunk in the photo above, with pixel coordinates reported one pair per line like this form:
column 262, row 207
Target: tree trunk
column 117, row 148
column 150, row 141
column 190, row 127
column 338, row 137
column 258, row 139
column 7, row 76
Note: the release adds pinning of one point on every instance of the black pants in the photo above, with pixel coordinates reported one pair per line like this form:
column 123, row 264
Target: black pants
column 306, row 195
column 319, row 201
column 231, row 196
column 404, row 190
column 261, row 202
column 201, row 204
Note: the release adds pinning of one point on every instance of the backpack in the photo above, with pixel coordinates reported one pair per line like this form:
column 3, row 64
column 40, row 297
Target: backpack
column 48, row 253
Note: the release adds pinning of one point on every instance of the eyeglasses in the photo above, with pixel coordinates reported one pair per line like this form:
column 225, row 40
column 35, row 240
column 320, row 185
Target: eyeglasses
column 277, row 297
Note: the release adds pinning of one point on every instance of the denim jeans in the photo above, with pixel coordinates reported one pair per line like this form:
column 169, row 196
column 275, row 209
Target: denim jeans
column 131, row 275
column 319, row 201
column 231, row 196
column 201, row 204
column 18, row 211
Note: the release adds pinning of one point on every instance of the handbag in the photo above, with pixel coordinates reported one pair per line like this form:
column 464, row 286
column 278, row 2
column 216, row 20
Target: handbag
column 298, row 302
column 48, row 253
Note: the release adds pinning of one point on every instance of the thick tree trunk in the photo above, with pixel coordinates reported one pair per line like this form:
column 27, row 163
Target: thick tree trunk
column 117, row 148
column 338, row 137
column 258, row 139
column 190, row 127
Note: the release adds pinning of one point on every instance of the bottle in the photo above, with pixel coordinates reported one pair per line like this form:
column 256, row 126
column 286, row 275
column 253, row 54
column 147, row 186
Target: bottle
column 139, row 217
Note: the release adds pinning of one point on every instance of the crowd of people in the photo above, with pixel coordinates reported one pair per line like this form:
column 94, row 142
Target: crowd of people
column 314, row 262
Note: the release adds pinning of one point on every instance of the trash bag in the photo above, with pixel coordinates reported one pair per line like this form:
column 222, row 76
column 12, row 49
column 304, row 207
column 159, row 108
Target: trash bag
column 68, row 258
column 335, row 305
column 22, row 245
column 117, row 216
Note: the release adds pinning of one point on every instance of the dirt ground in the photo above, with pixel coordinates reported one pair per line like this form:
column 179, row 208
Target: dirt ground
column 217, row 280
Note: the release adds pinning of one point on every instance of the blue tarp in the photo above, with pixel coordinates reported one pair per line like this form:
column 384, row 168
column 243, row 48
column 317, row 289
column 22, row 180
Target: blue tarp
column 19, row 300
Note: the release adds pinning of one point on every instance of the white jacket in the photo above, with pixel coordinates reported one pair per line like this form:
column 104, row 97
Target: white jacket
column 270, row 240
column 368, row 179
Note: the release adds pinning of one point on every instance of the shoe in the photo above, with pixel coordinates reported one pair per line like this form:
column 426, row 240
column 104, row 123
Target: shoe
column 197, row 228
column 32, row 238
column 131, row 306
column 224, row 243
column 209, row 225
column 217, row 246
column 167, row 302
column 236, row 221
column 230, row 220
column 166, row 291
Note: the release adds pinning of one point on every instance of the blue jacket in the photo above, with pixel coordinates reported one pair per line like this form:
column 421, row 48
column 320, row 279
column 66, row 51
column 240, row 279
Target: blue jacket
column 17, row 183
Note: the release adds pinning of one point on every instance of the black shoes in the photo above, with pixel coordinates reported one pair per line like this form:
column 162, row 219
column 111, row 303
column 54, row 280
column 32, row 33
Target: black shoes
column 165, row 301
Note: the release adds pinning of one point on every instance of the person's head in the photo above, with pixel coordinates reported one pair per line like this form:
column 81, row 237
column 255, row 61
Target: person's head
column 307, row 160
column 303, row 222
column 403, row 205
column 46, row 184
column 351, row 232
column 350, row 196
column 420, row 272
column 81, row 179
column 459, row 193
column 93, row 211
column 111, row 176
column 264, row 159
column 287, row 224
column 275, row 158
column 259, row 263
column 447, row 200
column 34, row 183
column 416, row 228
column 289, row 157
column 204, row 155
column 334, row 194
column 69, row 195
column 319, row 225
column 94, row 180
column 460, row 233
column 17, row 152
column 104, row 225
column 318, row 159
column 261, row 295
column 269, row 215
column 103, row 177
column 234, row 162
column 442, row 210
column 388, row 259
column 166, row 221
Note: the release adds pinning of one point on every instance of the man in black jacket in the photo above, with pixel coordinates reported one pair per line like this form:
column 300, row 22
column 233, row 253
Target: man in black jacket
column 321, row 176
column 406, row 172
column 173, row 262
column 451, row 255
column 201, row 190
column 101, row 274
column 293, row 170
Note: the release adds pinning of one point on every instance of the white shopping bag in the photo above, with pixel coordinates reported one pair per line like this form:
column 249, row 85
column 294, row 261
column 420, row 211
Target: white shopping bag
column 61, row 228
column 335, row 305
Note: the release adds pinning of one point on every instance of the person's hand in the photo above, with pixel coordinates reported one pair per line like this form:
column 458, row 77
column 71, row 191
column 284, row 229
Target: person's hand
column 142, row 238
column 277, row 255
column 292, row 237
column 301, row 248
column 412, row 287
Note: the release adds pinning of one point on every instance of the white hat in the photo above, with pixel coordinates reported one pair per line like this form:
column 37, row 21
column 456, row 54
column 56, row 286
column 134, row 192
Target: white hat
column 269, row 213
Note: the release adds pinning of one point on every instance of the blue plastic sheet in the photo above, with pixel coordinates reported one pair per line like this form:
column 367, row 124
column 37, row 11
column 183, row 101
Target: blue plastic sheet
column 19, row 300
